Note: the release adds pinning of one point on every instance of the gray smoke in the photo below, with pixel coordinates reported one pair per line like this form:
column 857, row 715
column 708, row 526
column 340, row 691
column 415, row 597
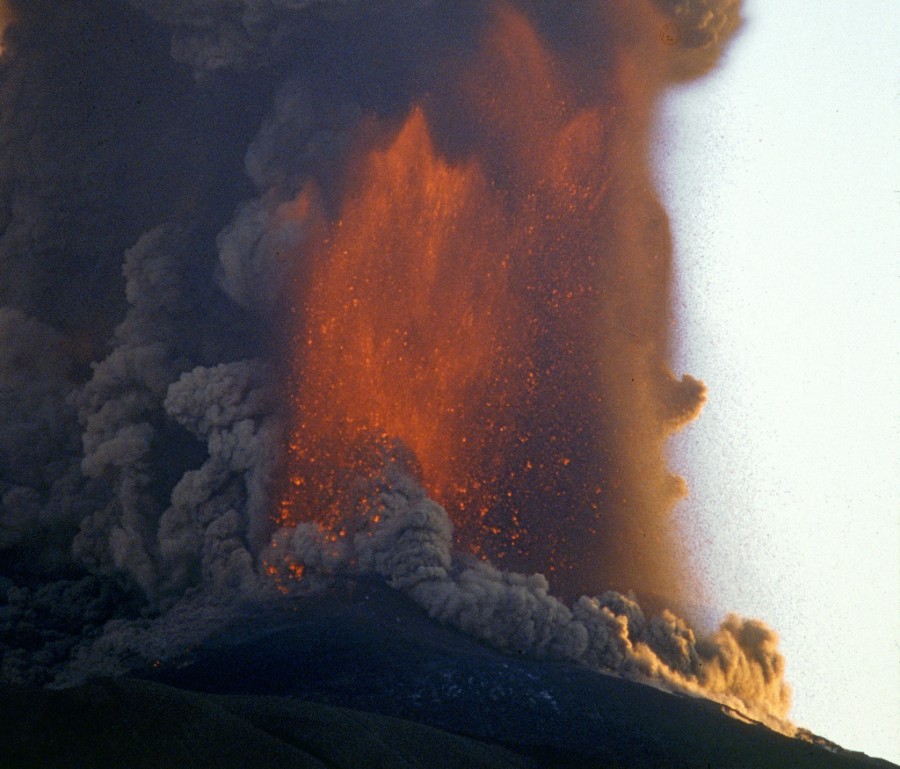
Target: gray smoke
column 407, row 539
column 37, row 432
column 219, row 517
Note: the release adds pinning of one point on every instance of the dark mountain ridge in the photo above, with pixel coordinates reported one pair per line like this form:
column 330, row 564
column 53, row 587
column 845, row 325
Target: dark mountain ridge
column 361, row 677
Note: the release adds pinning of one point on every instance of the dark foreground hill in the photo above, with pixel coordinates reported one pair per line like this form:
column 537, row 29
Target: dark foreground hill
column 131, row 724
column 363, row 678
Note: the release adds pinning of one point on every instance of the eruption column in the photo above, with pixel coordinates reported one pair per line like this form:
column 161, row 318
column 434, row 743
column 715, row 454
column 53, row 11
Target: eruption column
column 492, row 299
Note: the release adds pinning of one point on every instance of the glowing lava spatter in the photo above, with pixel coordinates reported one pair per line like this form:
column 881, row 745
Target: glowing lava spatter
column 502, row 317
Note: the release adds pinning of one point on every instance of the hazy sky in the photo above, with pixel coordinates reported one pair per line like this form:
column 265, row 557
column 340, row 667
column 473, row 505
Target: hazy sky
column 781, row 172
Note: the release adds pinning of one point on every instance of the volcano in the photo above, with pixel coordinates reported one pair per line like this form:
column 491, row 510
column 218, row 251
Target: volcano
column 335, row 390
column 359, row 676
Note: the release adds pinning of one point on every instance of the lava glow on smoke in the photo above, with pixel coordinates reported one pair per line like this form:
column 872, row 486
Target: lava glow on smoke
column 6, row 18
column 491, row 301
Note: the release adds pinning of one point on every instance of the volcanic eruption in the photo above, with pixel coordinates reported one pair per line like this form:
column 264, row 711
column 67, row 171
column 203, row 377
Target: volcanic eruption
column 396, row 304
column 494, row 295
column 480, row 319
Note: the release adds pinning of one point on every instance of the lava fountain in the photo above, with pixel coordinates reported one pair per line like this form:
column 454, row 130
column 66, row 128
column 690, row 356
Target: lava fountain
column 491, row 300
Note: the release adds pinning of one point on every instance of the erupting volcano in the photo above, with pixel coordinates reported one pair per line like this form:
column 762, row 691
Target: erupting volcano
column 351, row 386
column 490, row 298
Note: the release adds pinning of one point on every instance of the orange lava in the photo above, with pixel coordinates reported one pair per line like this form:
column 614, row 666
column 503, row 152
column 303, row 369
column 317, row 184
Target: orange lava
column 494, row 308
column 408, row 332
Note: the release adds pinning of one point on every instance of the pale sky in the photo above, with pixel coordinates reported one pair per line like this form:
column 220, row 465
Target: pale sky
column 781, row 172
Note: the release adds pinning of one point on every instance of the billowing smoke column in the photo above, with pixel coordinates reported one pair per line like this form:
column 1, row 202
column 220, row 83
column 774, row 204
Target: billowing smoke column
column 395, row 302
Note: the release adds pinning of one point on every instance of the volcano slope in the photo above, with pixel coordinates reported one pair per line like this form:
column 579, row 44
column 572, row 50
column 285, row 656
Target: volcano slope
column 361, row 677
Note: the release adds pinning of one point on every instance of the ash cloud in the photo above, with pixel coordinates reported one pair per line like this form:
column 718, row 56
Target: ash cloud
column 210, row 35
column 38, row 442
column 142, row 427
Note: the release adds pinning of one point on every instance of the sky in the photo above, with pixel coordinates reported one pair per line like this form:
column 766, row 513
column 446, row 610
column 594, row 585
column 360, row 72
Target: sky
column 781, row 174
